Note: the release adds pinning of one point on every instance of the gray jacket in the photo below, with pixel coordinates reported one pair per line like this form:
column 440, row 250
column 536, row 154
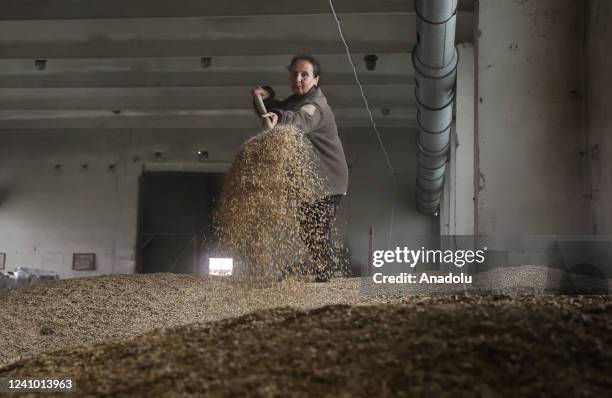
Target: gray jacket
column 311, row 114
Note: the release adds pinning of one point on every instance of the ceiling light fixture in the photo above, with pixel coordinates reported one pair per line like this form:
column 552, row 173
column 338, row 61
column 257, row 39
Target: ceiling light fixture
column 202, row 156
column 40, row 64
column 370, row 60
column 205, row 62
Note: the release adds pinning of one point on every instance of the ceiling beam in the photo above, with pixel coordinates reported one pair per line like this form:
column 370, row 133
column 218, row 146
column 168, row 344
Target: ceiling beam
column 189, row 72
column 102, row 48
column 105, row 119
column 201, row 37
column 86, row 9
column 204, row 132
column 181, row 79
column 185, row 98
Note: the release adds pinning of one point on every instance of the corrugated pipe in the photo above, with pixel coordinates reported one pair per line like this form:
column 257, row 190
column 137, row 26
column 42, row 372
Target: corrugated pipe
column 435, row 63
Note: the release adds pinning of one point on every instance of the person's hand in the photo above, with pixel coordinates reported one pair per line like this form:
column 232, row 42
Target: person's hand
column 263, row 93
column 273, row 118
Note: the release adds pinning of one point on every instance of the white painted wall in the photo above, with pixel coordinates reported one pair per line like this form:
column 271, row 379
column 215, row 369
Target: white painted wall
column 599, row 111
column 462, row 150
column 46, row 215
column 458, row 200
column 457, row 205
column 369, row 202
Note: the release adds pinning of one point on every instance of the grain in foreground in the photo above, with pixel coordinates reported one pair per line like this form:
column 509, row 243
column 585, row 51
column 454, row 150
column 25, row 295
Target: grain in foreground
column 444, row 346
column 71, row 312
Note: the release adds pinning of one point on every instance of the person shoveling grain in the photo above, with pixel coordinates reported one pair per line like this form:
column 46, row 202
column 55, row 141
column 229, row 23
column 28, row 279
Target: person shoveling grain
column 285, row 185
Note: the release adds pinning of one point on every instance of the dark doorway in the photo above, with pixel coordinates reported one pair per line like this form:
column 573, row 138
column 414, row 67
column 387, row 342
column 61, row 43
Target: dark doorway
column 175, row 221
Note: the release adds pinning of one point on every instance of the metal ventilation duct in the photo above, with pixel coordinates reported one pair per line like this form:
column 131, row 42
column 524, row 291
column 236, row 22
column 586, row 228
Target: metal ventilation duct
column 435, row 63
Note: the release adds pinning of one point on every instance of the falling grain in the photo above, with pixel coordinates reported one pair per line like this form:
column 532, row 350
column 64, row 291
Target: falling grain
column 260, row 219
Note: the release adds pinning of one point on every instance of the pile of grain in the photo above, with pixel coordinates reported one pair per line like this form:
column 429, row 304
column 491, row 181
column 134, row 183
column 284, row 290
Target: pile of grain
column 66, row 313
column 260, row 218
column 445, row 346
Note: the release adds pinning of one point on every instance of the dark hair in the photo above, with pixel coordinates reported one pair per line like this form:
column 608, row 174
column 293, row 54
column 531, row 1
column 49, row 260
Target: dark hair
column 316, row 67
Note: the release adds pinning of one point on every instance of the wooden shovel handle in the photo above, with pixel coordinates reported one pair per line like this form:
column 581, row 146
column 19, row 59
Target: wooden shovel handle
column 261, row 108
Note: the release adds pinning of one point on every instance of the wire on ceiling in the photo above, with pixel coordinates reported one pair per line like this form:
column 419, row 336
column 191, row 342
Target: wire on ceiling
column 371, row 116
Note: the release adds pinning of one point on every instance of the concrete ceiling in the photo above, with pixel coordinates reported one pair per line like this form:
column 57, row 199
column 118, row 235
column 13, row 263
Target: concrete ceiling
column 136, row 64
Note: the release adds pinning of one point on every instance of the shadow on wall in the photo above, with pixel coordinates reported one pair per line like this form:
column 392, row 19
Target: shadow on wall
column 5, row 192
column 586, row 267
column 583, row 279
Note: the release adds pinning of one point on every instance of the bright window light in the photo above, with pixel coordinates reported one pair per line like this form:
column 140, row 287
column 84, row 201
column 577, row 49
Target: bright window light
column 220, row 266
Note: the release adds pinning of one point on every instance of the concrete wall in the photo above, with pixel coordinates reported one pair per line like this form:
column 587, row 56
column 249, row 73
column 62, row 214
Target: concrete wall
column 530, row 138
column 46, row 214
column 599, row 111
column 370, row 200
column 458, row 201
column 457, row 207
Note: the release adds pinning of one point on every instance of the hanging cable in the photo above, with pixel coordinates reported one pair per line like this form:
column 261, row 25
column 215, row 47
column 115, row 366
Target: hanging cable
column 367, row 105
